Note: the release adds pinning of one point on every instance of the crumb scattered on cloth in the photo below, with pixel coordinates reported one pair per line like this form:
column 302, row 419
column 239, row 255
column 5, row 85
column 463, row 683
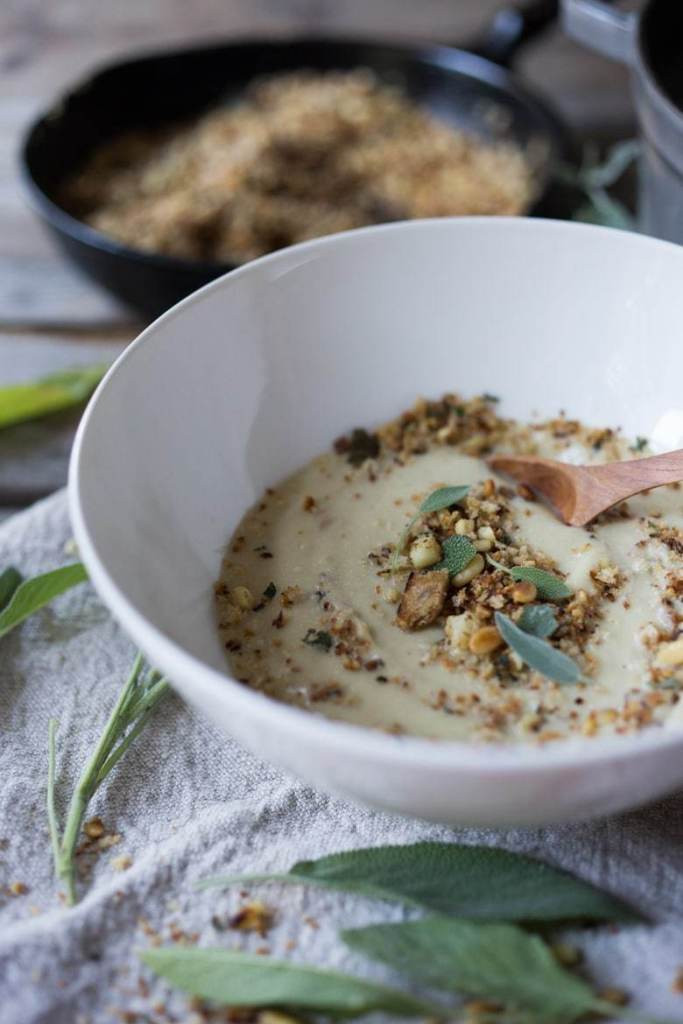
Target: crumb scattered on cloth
column 187, row 803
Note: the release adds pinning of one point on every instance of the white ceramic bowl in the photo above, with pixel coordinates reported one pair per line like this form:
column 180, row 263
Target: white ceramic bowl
column 250, row 377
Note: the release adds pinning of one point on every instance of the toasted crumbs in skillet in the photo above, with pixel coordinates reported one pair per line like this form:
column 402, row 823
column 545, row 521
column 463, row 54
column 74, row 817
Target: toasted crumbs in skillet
column 299, row 156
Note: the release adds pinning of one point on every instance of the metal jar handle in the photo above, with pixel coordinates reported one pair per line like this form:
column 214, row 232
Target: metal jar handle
column 601, row 27
column 515, row 25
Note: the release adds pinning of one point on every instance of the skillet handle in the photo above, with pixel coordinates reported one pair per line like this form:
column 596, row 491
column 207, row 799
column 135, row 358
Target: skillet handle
column 512, row 27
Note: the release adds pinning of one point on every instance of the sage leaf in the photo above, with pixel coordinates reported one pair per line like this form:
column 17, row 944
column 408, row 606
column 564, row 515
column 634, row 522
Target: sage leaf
column 606, row 211
column 54, row 393
column 458, row 552
column 9, row 581
column 239, row 979
column 38, row 591
column 594, row 178
column 536, row 653
column 318, row 638
column 489, row 961
column 538, row 619
column 456, row 879
column 442, row 498
column 549, row 586
column 618, row 160
column 362, row 446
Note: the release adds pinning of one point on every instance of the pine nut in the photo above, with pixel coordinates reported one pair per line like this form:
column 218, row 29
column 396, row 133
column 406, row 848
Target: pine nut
column 425, row 551
column 242, row 597
column 466, row 575
column 524, row 592
column 670, row 655
column 485, row 640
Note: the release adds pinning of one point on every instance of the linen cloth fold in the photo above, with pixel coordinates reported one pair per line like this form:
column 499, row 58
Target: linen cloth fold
column 188, row 802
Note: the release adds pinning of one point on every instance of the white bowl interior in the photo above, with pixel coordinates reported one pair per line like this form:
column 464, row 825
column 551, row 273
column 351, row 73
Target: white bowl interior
column 243, row 382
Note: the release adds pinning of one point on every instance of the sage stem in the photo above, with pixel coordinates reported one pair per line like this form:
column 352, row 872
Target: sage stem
column 51, row 809
column 94, row 773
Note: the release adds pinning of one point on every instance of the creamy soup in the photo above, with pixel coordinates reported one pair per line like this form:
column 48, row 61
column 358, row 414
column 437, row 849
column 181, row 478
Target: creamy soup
column 482, row 617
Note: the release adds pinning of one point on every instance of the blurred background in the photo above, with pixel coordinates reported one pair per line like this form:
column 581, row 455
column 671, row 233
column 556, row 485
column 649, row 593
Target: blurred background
column 52, row 317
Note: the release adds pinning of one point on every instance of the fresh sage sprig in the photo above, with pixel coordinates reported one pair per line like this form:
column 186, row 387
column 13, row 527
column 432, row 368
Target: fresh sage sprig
column 443, row 497
column 30, row 595
column 58, row 391
column 549, row 586
column 142, row 692
column 144, row 689
column 594, row 178
column 538, row 654
column 478, row 882
column 494, row 961
column 239, row 979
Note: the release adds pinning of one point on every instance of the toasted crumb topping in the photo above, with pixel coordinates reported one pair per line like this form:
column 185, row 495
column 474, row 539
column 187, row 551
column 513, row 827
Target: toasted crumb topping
column 398, row 641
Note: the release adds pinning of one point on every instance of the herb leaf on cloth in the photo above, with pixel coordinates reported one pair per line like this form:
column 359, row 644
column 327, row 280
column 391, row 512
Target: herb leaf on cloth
column 58, row 391
column 34, row 593
column 141, row 693
column 490, row 961
column 240, row 979
column 9, row 581
column 548, row 585
column 478, row 882
column 536, row 653
column 538, row 619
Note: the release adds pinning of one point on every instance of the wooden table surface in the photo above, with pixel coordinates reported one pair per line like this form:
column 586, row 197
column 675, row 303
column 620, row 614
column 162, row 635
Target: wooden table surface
column 50, row 317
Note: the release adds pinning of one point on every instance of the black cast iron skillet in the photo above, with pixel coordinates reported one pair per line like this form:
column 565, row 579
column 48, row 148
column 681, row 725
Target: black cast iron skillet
column 471, row 89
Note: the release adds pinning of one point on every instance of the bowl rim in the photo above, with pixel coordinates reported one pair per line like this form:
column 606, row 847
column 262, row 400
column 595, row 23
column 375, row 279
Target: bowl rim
column 169, row 656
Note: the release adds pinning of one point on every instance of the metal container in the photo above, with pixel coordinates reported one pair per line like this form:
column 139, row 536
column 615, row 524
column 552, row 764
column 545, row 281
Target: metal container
column 651, row 43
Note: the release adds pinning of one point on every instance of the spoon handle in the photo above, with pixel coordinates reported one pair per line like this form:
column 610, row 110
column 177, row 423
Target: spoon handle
column 620, row 480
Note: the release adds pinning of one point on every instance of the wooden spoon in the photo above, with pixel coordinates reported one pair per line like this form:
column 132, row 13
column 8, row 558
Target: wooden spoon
column 578, row 494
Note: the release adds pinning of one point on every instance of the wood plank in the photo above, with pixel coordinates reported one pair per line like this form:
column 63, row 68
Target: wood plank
column 44, row 292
